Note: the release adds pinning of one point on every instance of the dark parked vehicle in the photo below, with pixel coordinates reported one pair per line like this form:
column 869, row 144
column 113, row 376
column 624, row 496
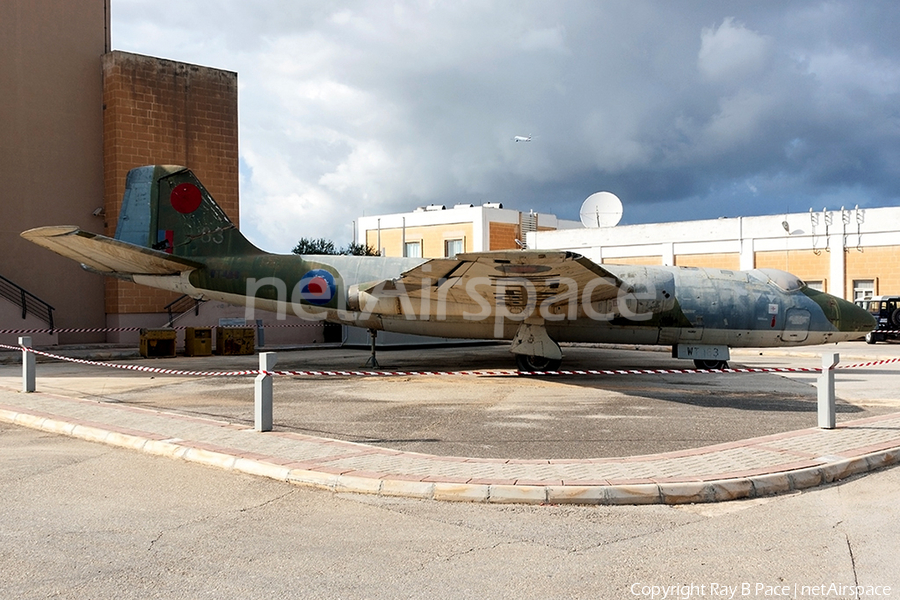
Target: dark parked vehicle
column 886, row 310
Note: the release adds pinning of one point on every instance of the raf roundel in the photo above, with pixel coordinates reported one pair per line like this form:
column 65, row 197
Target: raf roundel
column 186, row 198
column 317, row 287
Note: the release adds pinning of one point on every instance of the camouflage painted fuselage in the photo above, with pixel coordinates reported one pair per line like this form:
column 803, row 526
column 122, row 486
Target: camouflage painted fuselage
column 172, row 235
column 665, row 305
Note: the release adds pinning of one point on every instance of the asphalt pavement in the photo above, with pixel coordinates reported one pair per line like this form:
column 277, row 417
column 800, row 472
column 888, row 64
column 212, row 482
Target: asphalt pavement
column 663, row 436
column 87, row 520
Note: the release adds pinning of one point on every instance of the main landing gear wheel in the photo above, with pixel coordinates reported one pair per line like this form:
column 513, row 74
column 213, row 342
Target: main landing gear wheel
column 536, row 363
column 870, row 338
column 713, row 365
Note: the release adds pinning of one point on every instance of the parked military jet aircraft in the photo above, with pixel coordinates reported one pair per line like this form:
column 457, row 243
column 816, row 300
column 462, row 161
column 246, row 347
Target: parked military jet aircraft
column 172, row 235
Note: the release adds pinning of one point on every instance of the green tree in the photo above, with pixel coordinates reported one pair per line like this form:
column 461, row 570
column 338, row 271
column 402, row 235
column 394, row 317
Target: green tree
column 317, row 246
column 323, row 246
column 355, row 249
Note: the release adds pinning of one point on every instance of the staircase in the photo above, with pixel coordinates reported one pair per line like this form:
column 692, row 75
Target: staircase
column 28, row 302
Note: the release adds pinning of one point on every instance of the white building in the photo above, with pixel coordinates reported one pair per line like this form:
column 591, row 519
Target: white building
column 849, row 253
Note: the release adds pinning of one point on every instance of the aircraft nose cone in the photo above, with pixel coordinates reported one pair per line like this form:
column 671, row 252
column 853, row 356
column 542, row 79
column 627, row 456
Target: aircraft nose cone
column 845, row 316
column 852, row 318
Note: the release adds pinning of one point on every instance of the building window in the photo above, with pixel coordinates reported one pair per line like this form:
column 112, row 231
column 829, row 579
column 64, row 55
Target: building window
column 863, row 289
column 413, row 249
column 453, row 247
column 816, row 284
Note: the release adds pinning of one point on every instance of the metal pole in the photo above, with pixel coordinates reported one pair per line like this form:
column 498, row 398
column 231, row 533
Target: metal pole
column 262, row 393
column 28, row 375
column 825, row 386
column 372, row 362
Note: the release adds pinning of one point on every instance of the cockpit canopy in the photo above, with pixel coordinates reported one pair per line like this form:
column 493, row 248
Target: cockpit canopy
column 781, row 279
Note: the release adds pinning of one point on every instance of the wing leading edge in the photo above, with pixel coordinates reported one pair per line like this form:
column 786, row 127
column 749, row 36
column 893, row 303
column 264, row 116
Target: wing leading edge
column 514, row 280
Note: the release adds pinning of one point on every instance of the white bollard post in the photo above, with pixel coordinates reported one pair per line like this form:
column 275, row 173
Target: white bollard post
column 825, row 386
column 28, row 375
column 262, row 393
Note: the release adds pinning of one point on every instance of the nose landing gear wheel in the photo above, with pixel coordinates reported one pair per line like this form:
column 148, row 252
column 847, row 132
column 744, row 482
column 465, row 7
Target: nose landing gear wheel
column 536, row 363
column 713, row 365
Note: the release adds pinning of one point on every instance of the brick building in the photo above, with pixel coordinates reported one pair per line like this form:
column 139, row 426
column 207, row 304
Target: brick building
column 77, row 118
column 435, row 231
column 164, row 112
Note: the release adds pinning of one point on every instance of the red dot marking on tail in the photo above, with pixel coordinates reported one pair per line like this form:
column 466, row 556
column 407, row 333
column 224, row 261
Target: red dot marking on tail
column 186, row 198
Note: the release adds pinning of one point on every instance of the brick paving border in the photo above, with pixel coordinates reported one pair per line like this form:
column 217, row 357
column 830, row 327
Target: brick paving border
column 755, row 467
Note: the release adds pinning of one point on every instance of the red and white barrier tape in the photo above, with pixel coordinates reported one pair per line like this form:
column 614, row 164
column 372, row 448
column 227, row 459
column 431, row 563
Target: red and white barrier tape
column 121, row 329
column 529, row 373
column 180, row 327
column 501, row 372
column 728, row 370
column 128, row 367
column 873, row 363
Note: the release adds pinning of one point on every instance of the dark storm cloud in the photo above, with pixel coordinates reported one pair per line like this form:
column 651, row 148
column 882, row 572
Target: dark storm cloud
column 685, row 110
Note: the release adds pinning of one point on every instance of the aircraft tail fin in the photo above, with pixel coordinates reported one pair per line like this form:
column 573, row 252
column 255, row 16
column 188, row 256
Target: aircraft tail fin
column 166, row 208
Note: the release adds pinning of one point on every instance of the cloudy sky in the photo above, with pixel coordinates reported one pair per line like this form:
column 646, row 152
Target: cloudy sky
column 685, row 110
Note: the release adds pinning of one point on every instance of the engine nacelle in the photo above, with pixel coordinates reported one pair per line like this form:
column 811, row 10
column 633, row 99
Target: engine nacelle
column 365, row 302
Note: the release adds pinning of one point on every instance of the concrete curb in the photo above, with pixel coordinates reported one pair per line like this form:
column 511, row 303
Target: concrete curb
column 831, row 470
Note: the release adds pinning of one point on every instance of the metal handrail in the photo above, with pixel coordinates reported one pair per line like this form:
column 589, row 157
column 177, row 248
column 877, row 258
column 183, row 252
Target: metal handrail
column 181, row 306
column 28, row 302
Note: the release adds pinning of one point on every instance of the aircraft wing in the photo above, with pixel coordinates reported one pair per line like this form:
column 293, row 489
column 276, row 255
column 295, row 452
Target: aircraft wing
column 107, row 255
column 509, row 278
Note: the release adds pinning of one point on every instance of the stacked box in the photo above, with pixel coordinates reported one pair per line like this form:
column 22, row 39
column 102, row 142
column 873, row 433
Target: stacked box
column 158, row 343
column 235, row 340
column 198, row 341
